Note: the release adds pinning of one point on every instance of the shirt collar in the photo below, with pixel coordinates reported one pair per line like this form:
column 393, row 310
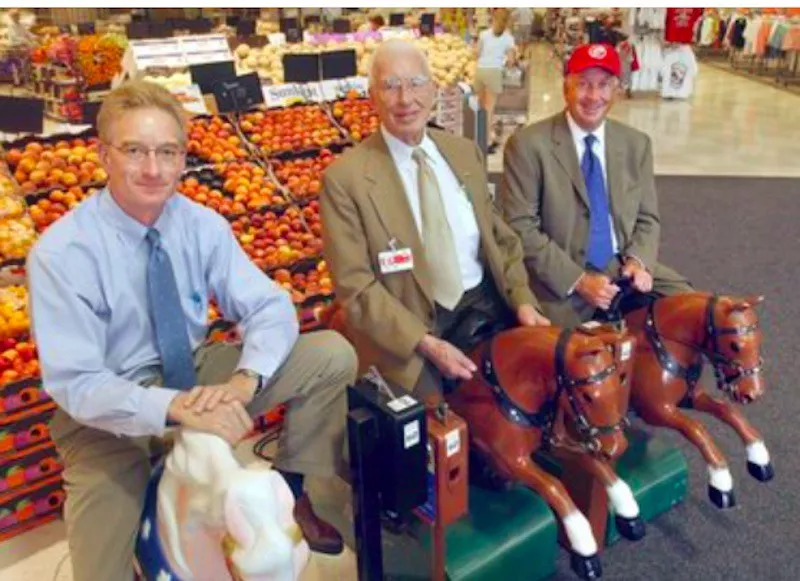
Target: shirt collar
column 579, row 134
column 401, row 152
column 133, row 229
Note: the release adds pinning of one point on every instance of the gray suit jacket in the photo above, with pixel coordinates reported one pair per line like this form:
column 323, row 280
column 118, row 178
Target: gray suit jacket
column 544, row 198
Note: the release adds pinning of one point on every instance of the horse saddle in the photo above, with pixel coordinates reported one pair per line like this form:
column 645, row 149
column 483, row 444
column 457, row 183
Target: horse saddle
column 472, row 329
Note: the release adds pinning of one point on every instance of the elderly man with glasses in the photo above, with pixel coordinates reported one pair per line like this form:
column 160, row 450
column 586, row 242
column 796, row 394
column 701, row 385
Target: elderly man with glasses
column 412, row 237
column 119, row 296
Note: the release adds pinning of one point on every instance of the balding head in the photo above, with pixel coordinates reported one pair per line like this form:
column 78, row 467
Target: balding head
column 402, row 90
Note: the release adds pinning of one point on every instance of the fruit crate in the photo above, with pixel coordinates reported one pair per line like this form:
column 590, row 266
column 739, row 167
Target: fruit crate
column 49, row 206
column 64, row 160
column 302, row 129
column 357, row 117
column 234, row 189
column 29, row 467
column 215, row 139
column 30, row 507
column 301, row 177
column 23, row 430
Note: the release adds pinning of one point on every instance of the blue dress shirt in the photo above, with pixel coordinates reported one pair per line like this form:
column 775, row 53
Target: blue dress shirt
column 91, row 319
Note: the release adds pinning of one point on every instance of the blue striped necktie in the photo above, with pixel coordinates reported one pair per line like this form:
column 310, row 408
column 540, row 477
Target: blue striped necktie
column 599, row 245
column 169, row 321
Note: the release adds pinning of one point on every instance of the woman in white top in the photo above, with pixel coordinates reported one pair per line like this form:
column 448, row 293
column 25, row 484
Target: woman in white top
column 496, row 51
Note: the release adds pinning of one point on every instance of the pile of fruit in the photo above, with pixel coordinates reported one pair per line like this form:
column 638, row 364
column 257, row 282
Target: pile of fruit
column 18, row 360
column 54, row 204
column 357, row 115
column 213, row 139
column 274, row 240
column 303, row 176
column 17, row 234
column 294, row 129
column 14, row 320
column 42, row 165
column 306, row 284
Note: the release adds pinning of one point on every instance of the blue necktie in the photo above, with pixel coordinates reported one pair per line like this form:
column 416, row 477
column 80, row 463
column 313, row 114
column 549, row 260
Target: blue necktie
column 599, row 246
column 169, row 321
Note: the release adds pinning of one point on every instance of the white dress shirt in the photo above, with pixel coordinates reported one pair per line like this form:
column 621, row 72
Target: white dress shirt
column 599, row 149
column 460, row 214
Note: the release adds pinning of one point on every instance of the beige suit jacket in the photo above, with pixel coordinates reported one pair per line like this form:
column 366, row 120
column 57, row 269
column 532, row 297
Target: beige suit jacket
column 543, row 197
column 364, row 206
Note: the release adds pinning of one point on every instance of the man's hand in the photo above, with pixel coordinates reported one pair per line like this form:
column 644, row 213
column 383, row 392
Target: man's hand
column 528, row 316
column 448, row 358
column 227, row 418
column 641, row 279
column 204, row 398
column 597, row 290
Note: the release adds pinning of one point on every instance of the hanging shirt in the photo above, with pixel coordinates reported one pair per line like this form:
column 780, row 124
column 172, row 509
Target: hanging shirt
column 679, row 25
column 678, row 73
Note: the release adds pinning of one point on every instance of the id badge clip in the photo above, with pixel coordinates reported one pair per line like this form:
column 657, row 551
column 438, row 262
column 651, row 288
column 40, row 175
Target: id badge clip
column 395, row 259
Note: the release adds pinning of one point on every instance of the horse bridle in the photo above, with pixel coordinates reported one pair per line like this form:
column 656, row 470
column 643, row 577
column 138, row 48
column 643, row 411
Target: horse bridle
column 545, row 418
column 691, row 374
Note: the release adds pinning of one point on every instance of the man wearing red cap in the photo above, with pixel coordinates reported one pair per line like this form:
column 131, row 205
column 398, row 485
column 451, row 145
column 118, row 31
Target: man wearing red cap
column 579, row 190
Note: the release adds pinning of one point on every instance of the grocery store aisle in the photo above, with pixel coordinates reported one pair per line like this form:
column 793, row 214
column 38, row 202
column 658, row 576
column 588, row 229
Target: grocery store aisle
column 732, row 126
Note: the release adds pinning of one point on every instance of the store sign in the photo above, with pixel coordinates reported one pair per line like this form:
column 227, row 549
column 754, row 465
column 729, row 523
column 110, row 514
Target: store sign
column 338, row 88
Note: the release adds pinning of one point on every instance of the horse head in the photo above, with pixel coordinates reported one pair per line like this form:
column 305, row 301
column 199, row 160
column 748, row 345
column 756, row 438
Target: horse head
column 592, row 396
column 734, row 346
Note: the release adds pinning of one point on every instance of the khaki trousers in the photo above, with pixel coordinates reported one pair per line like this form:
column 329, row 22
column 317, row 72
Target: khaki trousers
column 105, row 476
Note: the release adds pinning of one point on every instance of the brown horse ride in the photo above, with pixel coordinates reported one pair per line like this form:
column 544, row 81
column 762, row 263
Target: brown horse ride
column 674, row 334
column 558, row 389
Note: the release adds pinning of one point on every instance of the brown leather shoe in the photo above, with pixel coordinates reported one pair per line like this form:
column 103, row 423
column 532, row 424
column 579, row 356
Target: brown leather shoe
column 320, row 535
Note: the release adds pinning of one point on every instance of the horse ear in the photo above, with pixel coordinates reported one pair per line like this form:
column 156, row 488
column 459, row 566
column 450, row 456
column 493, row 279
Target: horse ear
column 746, row 303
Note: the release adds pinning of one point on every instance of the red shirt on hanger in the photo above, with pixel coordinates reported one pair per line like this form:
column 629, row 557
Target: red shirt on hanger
column 680, row 24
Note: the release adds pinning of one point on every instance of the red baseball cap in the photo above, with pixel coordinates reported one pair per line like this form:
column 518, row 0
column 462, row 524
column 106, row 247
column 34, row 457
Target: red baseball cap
column 587, row 56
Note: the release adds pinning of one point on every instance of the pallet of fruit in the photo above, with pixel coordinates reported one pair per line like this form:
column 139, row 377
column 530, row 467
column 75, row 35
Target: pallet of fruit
column 17, row 233
column 356, row 116
column 234, row 189
column 290, row 132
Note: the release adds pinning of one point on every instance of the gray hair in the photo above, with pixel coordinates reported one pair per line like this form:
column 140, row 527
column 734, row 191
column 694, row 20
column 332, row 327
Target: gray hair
column 396, row 48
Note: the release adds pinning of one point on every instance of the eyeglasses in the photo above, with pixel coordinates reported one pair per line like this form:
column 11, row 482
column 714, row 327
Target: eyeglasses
column 414, row 84
column 137, row 153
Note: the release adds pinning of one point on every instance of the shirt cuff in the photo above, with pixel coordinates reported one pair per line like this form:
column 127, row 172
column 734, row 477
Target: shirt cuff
column 262, row 363
column 153, row 411
column 575, row 284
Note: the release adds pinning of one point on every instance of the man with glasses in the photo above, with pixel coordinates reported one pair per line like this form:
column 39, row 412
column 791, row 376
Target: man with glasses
column 412, row 237
column 119, row 292
column 579, row 190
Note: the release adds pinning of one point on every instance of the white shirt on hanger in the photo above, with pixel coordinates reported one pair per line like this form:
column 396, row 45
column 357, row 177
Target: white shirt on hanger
column 460, row 214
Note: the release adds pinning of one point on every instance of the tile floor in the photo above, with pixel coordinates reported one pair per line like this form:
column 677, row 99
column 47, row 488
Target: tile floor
column 731, row 126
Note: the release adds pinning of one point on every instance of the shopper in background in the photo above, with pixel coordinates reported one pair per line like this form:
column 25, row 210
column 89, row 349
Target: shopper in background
column 374, row 24
column 412, row 238
column 579, row 190
column 496, row 51
column 119, row 297
column 20, row 43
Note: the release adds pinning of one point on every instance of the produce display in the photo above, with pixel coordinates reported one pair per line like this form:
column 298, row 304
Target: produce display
column 16, row 227
column 14, row 320
column 42, row 165
column 451, row 59
column 214, row 139
column 357, row 116
column 99, row 58
column 54, row 204
column 306, row 284
column 303, row 176
column 293, row 129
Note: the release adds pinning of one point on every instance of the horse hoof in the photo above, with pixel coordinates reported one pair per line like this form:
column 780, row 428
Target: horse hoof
column 632, row 529
column 761, row 472
column 721, row 499
column 587, row 568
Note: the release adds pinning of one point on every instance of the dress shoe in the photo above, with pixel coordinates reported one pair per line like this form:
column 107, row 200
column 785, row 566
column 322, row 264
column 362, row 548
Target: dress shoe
column 320, row 535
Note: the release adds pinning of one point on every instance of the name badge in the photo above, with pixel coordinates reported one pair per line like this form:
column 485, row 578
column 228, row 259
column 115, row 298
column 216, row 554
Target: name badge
column 396, row 260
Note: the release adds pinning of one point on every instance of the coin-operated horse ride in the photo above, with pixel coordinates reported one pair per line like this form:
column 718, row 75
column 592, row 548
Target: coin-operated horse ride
column 675, row 336
column 560, row 391
column 207, row 518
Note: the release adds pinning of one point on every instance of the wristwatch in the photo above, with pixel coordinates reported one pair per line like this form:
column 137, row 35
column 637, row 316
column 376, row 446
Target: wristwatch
column 261, row 381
